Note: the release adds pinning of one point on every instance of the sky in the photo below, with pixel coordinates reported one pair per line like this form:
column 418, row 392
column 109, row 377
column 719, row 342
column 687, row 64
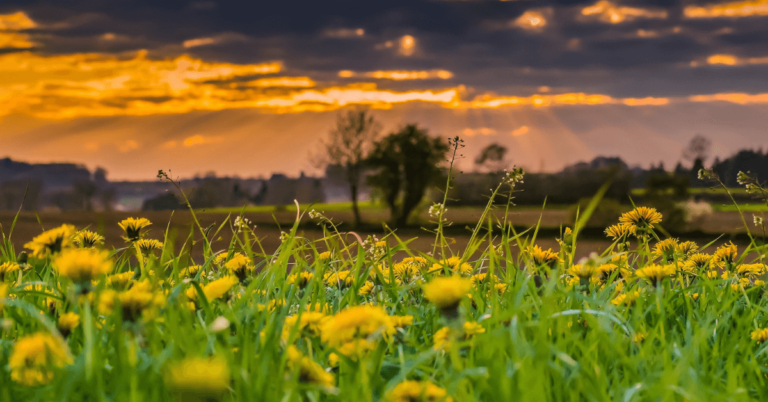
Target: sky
column 251, row 88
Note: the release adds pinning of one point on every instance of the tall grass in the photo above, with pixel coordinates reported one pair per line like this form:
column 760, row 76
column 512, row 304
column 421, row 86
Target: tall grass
column 552, row 328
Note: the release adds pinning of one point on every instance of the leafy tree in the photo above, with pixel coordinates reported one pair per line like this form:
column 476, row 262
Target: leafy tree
column 491, row 158
column 348, row 146
column 405, row 163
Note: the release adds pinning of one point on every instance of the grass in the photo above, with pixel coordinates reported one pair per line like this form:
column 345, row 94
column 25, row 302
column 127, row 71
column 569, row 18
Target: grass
column 645, row 319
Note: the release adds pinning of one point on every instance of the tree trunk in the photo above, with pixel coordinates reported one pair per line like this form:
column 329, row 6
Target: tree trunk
column 355, row 209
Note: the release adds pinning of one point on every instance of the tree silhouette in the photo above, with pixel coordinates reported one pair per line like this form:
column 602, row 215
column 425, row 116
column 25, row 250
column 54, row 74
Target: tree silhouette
column 405, row 163
column 491, row 158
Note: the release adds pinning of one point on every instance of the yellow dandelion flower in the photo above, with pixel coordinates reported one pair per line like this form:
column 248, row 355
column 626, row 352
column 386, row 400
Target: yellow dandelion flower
column 417, row 391
column 240, row 265
column 339, row 279
column 198, row 378
column 697, row 262
column 301, row 279
column 454, row 264
column 419, row 263
column 447, row 292
column 82, row 264
column 35, row 358
column 666, row 248
column 133, row 226
column 324, row 256
column 751, row 269
column 190, row 271
column 309, row 323
column 543, row 257
column 366, row 289
column 360, row 322
column 68, row 322
column 402, row 321
column 725, row 256
column 688, row 247
column 135, row 302
column 441, row 339
column 6, row 268
column 655, row 273
column 51, row 241
column 121, row 280
column 760, row 335
column 147, row 246
column 273, row 305
column 641, row 217
column 309, row 371
column 626, row 298
column 215, row 289
column 584, row 271
column 86, row 238
column 472, row 328
column 620, row 231
column 638, row 338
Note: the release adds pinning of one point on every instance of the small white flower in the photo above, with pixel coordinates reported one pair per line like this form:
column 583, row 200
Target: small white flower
column 758, row 220
column 219, row 324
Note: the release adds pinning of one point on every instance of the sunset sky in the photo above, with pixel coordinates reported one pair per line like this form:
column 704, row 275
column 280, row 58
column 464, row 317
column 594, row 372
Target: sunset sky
column 250, row 88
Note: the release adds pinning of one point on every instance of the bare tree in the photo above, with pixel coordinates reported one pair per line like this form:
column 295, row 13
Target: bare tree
column 491, row 158
column 697, row 149
column 348, row 146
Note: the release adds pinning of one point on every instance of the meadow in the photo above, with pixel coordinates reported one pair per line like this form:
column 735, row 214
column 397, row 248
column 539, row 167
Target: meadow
column 216, row 312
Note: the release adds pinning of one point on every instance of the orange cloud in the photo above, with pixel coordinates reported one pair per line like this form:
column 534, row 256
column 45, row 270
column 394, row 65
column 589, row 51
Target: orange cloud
column 520, row 131
column 274, row 82
column 16, row 22
column 399, row 75
column 344, row 33
column 609, row 12
column 407, row 45
column 198, row 139
column 530, row 20
column 198, row 42
column 491, row 102
column 484, row 131
column 9, row 25
column 728, row 10
column 740, row 98
column 731, row 60
column 649, row 101
column 128, row 146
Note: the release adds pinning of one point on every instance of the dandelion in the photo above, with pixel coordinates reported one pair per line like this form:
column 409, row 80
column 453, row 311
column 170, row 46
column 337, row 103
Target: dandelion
column 6, row 268
column 339, row 279
column 190, row 271
column 443, row 338
column 638, row 338
column 35, row 358
column 198, row 378
column 417, row 391
column 309, row 323
column 240, row 265
column 301, row 279
column 360, row 322
column 447, row 292
column 132, row 228
column 454, row 264
column 366, row 289
column 620, row 230
column 82, row 264
column 51, row 241
column 641, row 218
column 666, row 248
column 626, row 298
column 725, row 256
column 402, row 321
column 121, row 280
column 68, row 322
column 543, row 257
column 325, row 256
column 87, row 239
column 688, row 247
column 584, row 271
column 308, row 371
column 752, row 270
column 136, row 302
column 147, row 246
column 215, row 289
column 760, row 335
column 655, row 273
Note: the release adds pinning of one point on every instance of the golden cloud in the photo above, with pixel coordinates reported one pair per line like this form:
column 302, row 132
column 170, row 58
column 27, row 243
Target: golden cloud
column 276, row 82
column 566, row 99
column 399, row 75
column 731, row 60
column 609, row 12
column 198, row 42
column 737, row 9
column 740, row 98
column 530, row 20
column 9, row 25
column 344, row 33
column 407, row 45
column 523, row 130
column 484, row 131
column 649, row 101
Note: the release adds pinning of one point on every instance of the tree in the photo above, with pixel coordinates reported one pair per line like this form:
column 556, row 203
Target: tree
column 348, row 146
column 697, row 150
column 491, row 158
column 405, row 163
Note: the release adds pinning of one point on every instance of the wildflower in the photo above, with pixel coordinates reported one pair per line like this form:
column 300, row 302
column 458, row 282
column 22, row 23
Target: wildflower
column 725, row 256
column 309, row 371
column 68, row 322
column 366, row 289
column 243, row 224
column 198, row 379
column 626, row 298
column 454, row 264
column 638, row 338
column 478, row 278
column 325, row 256
column 655, row 273
column 240, row 265
column 339, row 279
column 707, row 174
column 35, row 357
column 273, row 305
column 437, row 210
column 120, row 280
column 402, row 321
column 751, row 269
column 82, row 264
column 620, row 230
column 138, row 301
column 760, row 335
column 513, row 177
column 301, row 279
column 584, row 271
column 360, row 322
column 441, row 339
column 215, row 289
column 447, row 292
column 543, row 257
column 86, row 238
column 666, row 248
column 641, row 217
column 417, row 391
column 7, row 268
column 133, row 227
column 758, row 220
column 688, row 247
column 309, row 323
column 418, row 262
column 190, row 271
column 51, row 241
column 147, row 246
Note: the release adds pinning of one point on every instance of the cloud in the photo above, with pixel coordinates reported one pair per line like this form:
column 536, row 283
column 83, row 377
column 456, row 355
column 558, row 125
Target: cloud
column 213, row 40
column 16, row 22
column 608, row 12
column 407, row 46
column 128, row 146
column 740, row 98
column 276, row 82
column 729, row 60
column 344, row 33
column 531, row 20
column 484, row 131
column 10, row 27
column 399, row 75
column 198, row 139
column 736, row 9
column 523, row 130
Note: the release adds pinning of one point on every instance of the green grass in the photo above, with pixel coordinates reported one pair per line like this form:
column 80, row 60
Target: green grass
column 547, row 333
column 743, row 207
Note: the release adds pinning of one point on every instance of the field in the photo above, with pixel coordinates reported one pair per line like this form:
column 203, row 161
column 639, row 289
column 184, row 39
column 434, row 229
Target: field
column 522, row 305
